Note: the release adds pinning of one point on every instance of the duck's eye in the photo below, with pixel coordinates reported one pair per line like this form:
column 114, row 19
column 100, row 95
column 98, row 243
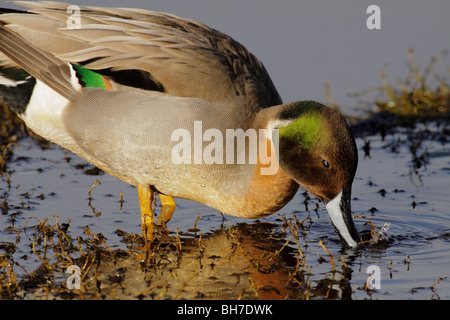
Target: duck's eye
column 325, row 164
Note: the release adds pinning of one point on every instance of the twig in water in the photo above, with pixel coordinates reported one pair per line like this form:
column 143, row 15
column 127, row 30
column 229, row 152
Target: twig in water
column 92, row 188
column 329, row 254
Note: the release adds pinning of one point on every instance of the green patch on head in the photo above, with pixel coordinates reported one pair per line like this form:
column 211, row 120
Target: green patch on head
column 307, row 130
column 309, row 127
column 89, row 78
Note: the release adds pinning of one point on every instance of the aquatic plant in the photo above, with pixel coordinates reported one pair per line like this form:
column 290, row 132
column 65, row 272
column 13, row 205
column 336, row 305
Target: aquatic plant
column 413, row 96
column 11, row 128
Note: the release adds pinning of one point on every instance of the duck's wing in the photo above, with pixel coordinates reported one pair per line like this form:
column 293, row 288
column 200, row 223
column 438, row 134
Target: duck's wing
column 17, row 52
column 148, row 50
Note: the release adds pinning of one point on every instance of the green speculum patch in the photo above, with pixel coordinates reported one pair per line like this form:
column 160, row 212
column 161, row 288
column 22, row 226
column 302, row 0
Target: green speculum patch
column 89, row 78
column 308, row 130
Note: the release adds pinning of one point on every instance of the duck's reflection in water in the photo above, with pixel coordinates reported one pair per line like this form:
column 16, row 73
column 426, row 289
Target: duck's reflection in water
column 245, row 261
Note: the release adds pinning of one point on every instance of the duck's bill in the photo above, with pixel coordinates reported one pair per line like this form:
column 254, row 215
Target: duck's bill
column 341, row 217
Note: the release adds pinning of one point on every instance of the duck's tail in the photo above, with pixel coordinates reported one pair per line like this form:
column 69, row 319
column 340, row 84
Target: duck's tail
column 21, row 63
column 41, row 65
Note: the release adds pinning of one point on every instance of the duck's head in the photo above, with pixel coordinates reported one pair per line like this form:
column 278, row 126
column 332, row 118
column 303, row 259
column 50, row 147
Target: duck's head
column 318, row 151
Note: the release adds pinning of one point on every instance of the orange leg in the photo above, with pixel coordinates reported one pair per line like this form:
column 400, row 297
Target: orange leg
column 167, row 208
column 145, row 202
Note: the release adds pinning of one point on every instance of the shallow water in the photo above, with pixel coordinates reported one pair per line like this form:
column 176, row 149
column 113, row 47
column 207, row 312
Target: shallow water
column 404, row 181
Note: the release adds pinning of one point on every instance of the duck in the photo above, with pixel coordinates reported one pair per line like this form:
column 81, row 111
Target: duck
column 175, row 108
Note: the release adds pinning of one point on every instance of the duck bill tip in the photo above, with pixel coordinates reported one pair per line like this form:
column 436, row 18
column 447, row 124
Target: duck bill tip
column 341, row 217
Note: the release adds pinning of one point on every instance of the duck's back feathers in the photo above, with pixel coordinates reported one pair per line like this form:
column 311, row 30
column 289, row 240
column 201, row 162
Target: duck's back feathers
column 178, row 56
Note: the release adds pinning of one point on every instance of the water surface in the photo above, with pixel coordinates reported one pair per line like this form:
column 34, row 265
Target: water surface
column 402, row 179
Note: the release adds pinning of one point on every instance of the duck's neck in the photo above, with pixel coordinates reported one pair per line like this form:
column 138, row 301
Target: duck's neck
column 269, row 187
